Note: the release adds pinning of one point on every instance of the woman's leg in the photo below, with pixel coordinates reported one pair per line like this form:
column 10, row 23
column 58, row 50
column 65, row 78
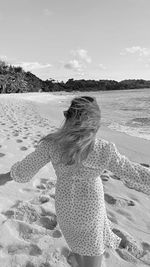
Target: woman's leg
column 88, row 261
column 74, row 259
column 78, row 259
column 91, row 261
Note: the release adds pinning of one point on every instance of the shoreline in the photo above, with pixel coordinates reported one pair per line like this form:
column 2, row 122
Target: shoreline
column 135, row 148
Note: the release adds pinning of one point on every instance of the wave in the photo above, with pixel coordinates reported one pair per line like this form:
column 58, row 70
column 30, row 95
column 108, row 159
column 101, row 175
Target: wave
column 132, row 109
column 139, row 122
column 137, row 132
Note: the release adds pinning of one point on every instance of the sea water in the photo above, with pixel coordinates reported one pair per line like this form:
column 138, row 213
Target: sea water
column 125, row 110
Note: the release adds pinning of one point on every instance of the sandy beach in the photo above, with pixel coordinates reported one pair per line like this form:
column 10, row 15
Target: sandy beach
column 29, row 232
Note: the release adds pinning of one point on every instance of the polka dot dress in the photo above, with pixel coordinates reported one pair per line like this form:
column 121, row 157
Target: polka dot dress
column 79, row 195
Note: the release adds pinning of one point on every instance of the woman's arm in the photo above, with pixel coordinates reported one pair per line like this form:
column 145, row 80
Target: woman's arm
column 132, row 174
column 23, row 171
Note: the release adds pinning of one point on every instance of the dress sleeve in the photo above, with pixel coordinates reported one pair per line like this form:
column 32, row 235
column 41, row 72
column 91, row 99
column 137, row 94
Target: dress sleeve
column 132, row 174
column 23, row 171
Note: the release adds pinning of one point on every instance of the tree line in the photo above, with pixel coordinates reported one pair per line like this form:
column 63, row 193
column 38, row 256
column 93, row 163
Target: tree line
column 13, row 79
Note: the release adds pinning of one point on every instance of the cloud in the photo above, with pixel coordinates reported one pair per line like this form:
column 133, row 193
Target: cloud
column 47, row 12
column 29, row 66
column 73, row 65
column 79, row 62
column 82, row 54
column 140, row 51
column 1, row 16
column 3, row 58
column 102, row 67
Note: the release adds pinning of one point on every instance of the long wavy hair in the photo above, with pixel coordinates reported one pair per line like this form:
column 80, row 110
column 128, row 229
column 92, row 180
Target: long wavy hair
column 76, row 135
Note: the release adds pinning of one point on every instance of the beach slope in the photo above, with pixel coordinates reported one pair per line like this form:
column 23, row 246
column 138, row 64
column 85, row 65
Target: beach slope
column 29, row 232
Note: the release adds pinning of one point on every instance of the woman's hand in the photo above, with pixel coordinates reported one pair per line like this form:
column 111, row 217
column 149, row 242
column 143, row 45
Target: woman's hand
column 4, row 178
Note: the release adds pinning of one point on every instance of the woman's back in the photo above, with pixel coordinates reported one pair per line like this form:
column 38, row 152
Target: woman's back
column 79, row 202
column 94, row 161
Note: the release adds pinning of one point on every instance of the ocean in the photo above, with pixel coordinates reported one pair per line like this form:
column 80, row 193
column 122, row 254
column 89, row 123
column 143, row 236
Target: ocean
column 126, row 111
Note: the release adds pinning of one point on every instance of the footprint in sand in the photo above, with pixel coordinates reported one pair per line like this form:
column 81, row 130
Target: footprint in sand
column 44, row 180
column 31, row 249
column 2, row 155
column 41, row 186
column 38, row 135
column 19, row 141
column 52, row 195
column 125, row 255
column 133, row 197
column 126, row 214
column 9, row 213
column 105, row 177
column 27, row 212
column 34, row 250
column 112, row 217
column 57, row 234
column 124, row 241
column 40, row 199
column 113, row 176
column 28, row 190
column 129, row 246
column 48, row 222
column 45, row 184
column 17, row 204
column 15, row 134
column 51, row 184
column 44, row 198
column 146, row 246
column 118, row 202
column 30, row 264
column 23, row 148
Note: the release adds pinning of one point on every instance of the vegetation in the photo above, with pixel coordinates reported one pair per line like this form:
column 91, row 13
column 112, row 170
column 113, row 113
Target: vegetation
column 16, row 80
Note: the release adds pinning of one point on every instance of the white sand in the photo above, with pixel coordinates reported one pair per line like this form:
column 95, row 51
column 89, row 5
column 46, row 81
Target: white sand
column 29, row 232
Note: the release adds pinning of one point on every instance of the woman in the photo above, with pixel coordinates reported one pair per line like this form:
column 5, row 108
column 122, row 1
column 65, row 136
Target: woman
column 78, row 158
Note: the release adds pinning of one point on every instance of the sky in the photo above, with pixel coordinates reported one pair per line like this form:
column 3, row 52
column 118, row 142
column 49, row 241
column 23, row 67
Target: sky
column 79, row 39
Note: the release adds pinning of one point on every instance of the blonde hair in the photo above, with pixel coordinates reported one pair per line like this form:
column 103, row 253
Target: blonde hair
column 76, row 136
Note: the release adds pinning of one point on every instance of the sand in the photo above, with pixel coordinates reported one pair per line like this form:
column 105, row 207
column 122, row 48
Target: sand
column 29, row 232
